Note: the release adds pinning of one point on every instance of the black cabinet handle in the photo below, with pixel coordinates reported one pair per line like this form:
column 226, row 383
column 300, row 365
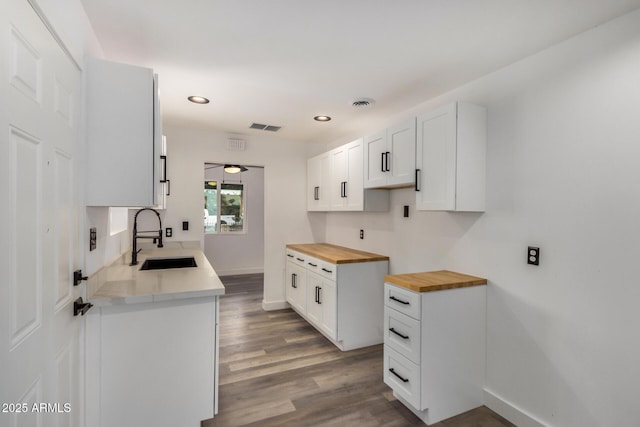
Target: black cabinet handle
column 318, row 290
column 294, row 279
column 312, row 264
column 316, row 193
column 399, row 300
column 300, row 259
column 290, row 256
column 164, row 168
column 404, row 337
column 382, row 162
column 327, row 271
column 343, row 189
column 417, row 179
column 404, row 380
column 386, row 162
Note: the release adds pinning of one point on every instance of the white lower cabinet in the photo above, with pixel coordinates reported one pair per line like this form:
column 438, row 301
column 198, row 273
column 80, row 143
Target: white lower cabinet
column 344, row 302
column 434, row 349
column 153, row 364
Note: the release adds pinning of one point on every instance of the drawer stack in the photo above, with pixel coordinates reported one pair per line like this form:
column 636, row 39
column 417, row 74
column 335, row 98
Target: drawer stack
column 434, row 342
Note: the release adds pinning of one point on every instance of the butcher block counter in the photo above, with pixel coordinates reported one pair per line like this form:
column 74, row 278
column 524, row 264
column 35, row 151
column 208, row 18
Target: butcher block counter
column 336, row 254
column 434, row 280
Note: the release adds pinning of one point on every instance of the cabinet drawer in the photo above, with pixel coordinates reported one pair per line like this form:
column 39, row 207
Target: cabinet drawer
column 327, row 270
column 311, row 263
column 402, row 333
column 297, row 257
column 405, row 301
column 402, row 375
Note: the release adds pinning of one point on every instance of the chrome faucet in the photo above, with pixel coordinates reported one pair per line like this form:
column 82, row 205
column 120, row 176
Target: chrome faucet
column 135, row 250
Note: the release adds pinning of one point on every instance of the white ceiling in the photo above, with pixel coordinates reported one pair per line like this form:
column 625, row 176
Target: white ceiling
column 281, row 62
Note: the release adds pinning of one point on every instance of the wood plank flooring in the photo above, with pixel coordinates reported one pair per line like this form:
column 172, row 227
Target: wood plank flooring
column 277, row 370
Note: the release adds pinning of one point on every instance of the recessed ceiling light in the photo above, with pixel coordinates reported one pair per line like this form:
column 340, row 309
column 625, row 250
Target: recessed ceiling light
column 198, row 99
column 322, row 118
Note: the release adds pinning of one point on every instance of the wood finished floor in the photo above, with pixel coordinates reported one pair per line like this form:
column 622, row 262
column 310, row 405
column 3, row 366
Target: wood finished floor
column 276, row 370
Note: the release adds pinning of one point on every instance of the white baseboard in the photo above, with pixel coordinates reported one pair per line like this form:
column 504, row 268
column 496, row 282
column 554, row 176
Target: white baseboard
column 510, row 411
column 274, row 305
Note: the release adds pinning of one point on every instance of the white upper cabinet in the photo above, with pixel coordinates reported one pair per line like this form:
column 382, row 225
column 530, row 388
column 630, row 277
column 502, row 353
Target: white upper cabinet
column 346, row 177
column 451, row 159
column 124, row 135
column 390, row 156
column 318, row 183
column 335, row 182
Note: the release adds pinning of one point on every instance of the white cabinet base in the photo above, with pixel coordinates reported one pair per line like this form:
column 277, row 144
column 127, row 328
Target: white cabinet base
column 153, row 363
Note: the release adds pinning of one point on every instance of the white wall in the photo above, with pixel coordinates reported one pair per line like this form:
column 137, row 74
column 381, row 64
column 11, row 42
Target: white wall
column 285, row 215
column 240, row 253
column 563, row 174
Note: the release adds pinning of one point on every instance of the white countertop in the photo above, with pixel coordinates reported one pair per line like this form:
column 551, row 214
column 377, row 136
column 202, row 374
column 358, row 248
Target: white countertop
column 121, row 283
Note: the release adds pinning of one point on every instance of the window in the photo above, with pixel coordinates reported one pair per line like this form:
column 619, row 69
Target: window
column 223, row 207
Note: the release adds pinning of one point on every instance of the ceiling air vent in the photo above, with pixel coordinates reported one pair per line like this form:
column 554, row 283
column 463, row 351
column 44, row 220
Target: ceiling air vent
column 362, row 102
column 269, row 128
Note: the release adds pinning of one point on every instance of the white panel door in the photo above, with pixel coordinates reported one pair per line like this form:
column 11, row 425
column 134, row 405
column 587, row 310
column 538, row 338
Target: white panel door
column 40, row 340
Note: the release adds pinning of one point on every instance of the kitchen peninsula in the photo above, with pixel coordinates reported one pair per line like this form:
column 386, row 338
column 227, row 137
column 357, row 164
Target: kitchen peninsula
column 152, row 341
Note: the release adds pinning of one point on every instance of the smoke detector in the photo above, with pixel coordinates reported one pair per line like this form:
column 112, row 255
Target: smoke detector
column 362, row 102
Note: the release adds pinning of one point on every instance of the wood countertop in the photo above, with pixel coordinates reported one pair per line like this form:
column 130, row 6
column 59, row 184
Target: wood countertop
column 336, row 254
column 434, row 280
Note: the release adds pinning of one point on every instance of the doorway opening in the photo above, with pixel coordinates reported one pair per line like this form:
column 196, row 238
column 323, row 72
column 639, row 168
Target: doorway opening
column 233, row 223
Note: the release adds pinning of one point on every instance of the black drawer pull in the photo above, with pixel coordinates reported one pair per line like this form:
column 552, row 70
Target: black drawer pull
column 326, row 271
column 290, row 256
column 300, row 259
column 312, row 265
column 399, row 300
column 405, row 337
column 404, row 380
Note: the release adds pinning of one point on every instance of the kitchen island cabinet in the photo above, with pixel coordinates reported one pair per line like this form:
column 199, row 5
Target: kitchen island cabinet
column 434, row 342
column 152, row 343
column 339, row 291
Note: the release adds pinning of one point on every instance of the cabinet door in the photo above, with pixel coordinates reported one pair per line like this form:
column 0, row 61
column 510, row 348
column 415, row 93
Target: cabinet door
column 375, row 149
column 313, row 184
column 436, row 159
column 354, row 188
column 328, row 301
column 321, row 304
column 314, row 308
column 123, row 135
column 296, row 286
column 338, row 181
column 400, row 157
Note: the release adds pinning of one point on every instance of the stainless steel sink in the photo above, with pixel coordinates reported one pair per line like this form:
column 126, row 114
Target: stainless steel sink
column 165, row 263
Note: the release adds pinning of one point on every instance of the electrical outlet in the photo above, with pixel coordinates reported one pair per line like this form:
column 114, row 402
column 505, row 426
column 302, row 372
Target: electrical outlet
column 92, row 238
column 406, row 211
column 362, row 234
column 533, row 255
column 169, row 232
column 185, row 225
